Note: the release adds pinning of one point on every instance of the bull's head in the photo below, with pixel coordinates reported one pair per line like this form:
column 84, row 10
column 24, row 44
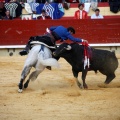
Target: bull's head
column 62, row 49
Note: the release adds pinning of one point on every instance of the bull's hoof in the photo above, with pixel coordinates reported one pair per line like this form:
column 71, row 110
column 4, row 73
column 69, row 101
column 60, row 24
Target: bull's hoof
column 20, row 90
column 85, row 86
column 79, row 85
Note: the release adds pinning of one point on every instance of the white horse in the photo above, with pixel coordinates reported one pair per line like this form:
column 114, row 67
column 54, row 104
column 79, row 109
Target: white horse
column 39, row 57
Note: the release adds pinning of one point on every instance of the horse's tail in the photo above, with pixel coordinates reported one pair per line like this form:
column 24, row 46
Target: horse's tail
column 47, row 62
column 50, row 62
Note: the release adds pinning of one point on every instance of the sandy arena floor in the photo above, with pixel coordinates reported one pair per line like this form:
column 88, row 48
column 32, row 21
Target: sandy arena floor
column 55, row 96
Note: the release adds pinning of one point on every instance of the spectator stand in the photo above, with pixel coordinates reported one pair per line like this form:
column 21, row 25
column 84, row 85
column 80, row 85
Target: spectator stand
column 15, row 9
column 54, row 10
column 104, row 10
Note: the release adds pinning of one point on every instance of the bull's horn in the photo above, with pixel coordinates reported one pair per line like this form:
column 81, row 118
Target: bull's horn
column 68, row 47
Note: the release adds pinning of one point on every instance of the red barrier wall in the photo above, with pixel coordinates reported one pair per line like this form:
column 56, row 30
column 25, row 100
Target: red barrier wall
column 17, row 32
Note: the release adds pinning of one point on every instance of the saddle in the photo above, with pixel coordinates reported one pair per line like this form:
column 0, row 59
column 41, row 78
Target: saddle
column 41, row 43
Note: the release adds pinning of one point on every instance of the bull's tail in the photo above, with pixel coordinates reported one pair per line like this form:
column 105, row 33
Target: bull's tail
column 47, row 62
column 114, row 60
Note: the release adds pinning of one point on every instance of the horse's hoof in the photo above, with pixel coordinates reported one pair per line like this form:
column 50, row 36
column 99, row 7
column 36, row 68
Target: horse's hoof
column 20, row 90
column 81, row 87
column 25, row 86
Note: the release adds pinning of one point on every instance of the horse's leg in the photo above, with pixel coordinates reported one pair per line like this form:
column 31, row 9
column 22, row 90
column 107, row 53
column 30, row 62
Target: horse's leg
column 33, row 76
column 25, row 72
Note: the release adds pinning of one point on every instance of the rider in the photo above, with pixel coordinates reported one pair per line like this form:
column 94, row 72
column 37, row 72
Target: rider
column 53, row 34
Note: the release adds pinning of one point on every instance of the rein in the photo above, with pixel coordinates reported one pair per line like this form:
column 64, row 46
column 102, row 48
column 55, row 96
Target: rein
column 42, row 48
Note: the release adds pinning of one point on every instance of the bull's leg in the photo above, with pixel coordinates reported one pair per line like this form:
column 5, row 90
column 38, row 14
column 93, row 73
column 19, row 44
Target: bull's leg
column 24, row 74
column 76, row 78
column 109, row 78
column 78, row 83
column 84, row 73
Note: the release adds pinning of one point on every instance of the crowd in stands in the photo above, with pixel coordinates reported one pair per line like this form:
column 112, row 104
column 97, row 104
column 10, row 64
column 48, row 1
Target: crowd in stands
column 82, row 14
column 51, row 9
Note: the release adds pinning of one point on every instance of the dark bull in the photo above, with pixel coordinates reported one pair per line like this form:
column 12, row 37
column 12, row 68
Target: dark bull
column 102, row 60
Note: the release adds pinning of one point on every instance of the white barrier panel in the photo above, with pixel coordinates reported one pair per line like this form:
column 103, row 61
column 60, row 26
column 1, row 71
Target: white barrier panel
column 93, row 45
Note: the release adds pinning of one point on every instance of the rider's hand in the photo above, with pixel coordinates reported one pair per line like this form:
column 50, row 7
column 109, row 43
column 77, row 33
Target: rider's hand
column 47, row 30
column 84, row 41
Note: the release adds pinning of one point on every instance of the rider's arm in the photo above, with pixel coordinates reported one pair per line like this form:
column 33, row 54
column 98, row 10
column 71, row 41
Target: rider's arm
column 70, row 37
column 52, row 28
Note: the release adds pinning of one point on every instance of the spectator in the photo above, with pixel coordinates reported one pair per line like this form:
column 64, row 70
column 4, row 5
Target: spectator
column 21, row 1
column 71, row 1
column 94, row 4
column 104, row 0
column 87, row 5
column 43, row 16
column 82, row 1
column 2, row 9
column 14, row 7
column 97, row 15
column 7, row 15
column 80, row 14
column 114, row 6
column 40, row 1
column 90, row 3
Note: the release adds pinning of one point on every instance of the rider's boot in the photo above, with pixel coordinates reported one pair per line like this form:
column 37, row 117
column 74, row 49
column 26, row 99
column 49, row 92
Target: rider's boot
column 49, row 67
column 25, row 51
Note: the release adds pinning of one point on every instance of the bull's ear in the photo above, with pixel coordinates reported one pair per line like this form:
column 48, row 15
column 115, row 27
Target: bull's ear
column 68, row 47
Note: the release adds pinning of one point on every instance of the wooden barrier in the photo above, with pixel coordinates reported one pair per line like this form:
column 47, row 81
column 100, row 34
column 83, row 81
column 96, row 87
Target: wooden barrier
column 17, row 32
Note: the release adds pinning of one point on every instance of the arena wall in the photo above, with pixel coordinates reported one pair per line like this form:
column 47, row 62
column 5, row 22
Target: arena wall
column 18, row 32
column 104, row 34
